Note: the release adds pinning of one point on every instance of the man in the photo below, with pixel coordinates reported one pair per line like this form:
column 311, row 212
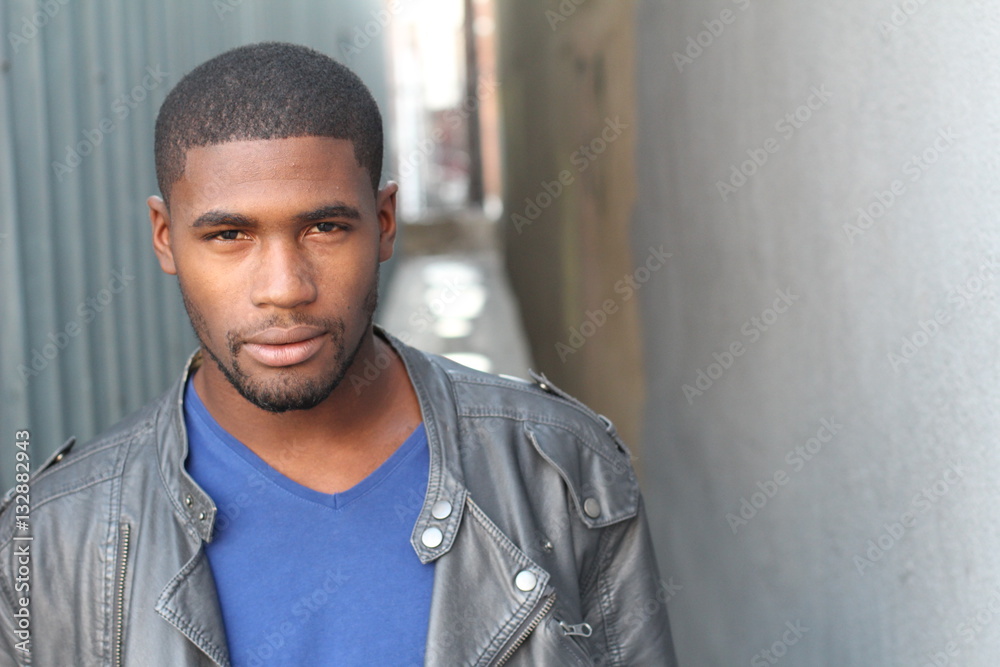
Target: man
column 269, row 511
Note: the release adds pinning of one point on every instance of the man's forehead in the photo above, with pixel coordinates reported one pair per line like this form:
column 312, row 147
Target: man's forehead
column 218, row 172
column 291, row 157
column 270, row 176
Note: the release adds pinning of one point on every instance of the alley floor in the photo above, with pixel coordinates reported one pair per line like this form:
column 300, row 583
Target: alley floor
column 449, row 295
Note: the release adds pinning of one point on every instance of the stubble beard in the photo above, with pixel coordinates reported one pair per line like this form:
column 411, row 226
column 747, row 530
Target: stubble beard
column 288, row 391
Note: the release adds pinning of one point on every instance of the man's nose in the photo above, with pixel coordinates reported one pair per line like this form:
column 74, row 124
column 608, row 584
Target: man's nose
column 284, row 277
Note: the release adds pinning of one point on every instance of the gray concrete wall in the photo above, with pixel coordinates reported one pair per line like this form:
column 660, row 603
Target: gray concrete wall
column 824, row 177
column 881, row 542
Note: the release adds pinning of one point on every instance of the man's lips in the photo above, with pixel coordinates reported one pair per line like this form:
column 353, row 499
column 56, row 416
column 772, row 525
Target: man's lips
column 285, row 347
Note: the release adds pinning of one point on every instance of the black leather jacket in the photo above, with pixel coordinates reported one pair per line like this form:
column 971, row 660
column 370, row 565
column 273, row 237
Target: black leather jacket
column 532, row 513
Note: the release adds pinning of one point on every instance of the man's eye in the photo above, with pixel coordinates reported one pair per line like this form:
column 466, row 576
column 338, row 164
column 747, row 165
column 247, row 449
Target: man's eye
column 326, row 227
column 228, row 235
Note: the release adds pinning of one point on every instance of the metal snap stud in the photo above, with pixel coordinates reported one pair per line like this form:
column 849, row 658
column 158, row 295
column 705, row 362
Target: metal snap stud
column 441, row 509
column 432, row 537
column 526, row 580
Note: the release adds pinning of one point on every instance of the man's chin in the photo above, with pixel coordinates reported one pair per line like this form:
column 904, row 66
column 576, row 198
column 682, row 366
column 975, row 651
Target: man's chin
column 279, row 389
column 279, row 397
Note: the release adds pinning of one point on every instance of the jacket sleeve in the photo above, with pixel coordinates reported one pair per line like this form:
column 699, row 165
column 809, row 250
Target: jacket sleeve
column 626, row 601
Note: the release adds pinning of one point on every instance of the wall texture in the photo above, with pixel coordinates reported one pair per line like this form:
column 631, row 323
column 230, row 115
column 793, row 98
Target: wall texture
column 89, row 327
column 873, row 214
column 820, row 351
column 569, row 173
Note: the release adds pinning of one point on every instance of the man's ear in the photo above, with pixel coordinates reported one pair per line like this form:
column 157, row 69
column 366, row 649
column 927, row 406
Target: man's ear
column 159, row 217
column 385, row 202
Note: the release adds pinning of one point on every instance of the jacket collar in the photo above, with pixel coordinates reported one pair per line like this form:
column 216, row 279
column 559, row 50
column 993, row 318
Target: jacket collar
column 193, row 506
column 437, row 524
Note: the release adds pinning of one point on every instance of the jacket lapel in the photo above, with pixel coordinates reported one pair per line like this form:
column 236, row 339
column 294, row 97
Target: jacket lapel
column 190, row 604
column 482, row 601
column 480, row 606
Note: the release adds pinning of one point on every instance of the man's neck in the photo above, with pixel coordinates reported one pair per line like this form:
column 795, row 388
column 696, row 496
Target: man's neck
column 336, row 444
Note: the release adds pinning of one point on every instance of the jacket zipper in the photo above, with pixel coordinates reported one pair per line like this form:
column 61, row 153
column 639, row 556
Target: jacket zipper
column 119, row 632
column 546, row 607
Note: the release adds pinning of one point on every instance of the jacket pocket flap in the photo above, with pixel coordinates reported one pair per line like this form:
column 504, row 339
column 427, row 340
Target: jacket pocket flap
column 599, row 475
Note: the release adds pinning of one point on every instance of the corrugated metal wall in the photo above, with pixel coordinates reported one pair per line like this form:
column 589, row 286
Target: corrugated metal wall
column 90, row 329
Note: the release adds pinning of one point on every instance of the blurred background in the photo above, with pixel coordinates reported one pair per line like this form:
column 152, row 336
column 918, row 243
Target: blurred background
column 760, row 236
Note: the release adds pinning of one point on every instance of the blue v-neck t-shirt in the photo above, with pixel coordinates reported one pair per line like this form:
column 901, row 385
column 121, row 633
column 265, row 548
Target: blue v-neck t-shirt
column 310, row 578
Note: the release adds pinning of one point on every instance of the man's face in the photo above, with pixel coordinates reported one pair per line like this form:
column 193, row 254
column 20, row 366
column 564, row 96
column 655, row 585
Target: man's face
column 276, row 245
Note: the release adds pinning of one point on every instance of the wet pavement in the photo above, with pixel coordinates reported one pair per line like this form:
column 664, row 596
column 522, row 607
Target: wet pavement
column 449, row 295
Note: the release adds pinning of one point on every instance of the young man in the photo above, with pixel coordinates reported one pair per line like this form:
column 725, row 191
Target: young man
column 271, row 508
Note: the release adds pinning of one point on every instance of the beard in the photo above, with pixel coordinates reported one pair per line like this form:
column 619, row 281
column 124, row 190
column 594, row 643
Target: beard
column 288, row 391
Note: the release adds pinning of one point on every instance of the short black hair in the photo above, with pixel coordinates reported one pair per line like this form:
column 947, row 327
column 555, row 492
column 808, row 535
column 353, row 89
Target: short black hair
column 270, row 90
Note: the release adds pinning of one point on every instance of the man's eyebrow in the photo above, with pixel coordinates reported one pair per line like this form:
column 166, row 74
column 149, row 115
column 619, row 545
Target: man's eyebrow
column 217, row 218
column 337, row 210
column 223, row 218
